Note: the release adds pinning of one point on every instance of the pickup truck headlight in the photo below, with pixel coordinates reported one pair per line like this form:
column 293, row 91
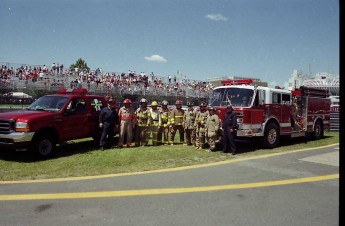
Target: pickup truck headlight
column 22, row 127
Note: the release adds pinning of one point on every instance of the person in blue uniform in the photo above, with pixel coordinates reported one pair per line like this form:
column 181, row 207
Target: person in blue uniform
column 229, row 130
column 108, row 118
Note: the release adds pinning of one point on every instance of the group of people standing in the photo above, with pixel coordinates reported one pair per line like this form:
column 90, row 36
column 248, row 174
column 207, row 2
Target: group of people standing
column 196, row 127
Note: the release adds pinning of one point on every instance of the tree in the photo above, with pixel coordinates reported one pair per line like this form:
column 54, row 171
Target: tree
column 81, row 65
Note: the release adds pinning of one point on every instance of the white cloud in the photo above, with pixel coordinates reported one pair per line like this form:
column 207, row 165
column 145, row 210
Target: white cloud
column 216, row 17
column 156, row 58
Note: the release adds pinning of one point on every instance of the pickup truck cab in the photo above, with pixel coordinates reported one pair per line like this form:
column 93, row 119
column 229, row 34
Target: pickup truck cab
column 50, row 120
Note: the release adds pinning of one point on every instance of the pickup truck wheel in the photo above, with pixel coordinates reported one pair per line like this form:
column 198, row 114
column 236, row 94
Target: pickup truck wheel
column 44, row 146
column 271, row 137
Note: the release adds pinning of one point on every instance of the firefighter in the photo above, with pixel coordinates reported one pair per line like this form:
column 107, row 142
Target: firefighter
column 143, row 120
column 156, row 122
column 108, row 118
column 164, row 129
column 127, row 122
column 229, row 130
column 188, row 124
column 200, row 125
column 176, row 122
column 294, row 115
column 212, row 127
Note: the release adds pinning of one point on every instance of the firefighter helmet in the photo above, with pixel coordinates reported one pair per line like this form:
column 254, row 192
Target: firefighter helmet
column 229, row 106
column 127, row 101
column 143, row 100
column 189, row 103
column 212, row 109
column 154, row 104
column 178, row 102
column 203, row 104
column 164, row 102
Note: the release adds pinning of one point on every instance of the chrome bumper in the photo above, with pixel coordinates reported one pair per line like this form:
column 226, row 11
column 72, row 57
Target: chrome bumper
column 16, row 140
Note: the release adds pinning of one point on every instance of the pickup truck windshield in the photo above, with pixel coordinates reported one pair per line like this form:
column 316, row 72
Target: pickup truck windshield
column 48, row 103
column 237, row 97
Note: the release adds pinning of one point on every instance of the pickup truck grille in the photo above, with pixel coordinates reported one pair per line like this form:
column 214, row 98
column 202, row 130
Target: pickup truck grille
column 6, row 126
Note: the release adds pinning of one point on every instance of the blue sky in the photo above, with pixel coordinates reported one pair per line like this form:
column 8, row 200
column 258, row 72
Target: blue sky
column 202, row 39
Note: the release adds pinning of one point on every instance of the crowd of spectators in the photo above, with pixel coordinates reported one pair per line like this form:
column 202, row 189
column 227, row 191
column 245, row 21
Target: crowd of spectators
column 5, row 75
column 130, row 82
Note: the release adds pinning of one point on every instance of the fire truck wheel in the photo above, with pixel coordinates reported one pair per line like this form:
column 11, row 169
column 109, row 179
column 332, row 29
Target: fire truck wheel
column 318, row 131
column 271, row 137
column 43, row 146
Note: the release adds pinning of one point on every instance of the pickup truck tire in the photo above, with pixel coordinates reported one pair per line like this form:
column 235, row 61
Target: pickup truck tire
column 43, row 146
column 271, row 136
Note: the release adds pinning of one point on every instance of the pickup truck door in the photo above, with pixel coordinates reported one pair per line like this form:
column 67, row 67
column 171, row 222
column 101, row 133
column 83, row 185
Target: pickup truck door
column 75, row 123
column 95, row 106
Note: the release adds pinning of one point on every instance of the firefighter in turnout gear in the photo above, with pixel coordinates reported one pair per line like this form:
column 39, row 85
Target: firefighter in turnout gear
column 156, row 122
column 200, row 124
column 127, row 123
column 213, row 125
column 296, row 123
column 188, row 124
column 164, row 129
column 176, row 122
column 143, row 120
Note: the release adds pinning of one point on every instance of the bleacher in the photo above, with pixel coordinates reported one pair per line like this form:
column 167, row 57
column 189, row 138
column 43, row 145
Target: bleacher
column 52, row 82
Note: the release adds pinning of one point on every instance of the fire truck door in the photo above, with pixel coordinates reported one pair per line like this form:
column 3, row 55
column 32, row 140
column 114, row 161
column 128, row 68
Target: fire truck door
column 281, row 110
column 276, row 110
column 285, row 121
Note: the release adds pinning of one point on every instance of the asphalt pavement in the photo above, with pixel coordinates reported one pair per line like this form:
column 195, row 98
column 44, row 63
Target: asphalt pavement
column 292, row 188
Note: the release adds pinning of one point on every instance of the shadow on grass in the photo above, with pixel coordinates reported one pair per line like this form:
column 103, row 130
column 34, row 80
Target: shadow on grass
column 63, row 150
column 254, row 144
column 72, row 148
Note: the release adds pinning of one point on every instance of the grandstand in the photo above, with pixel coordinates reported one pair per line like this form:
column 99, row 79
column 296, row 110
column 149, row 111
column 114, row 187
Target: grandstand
column 24, row 77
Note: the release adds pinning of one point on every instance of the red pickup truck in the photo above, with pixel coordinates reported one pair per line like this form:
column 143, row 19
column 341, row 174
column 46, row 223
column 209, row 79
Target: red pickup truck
column 50, row 120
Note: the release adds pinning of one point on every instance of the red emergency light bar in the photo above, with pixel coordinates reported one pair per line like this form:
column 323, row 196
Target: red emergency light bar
column 72, row 91
column 237, row 82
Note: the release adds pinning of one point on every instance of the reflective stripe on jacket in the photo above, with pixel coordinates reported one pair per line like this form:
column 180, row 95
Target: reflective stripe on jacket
column 155, row 117
column 143, row 117
column 176, row 116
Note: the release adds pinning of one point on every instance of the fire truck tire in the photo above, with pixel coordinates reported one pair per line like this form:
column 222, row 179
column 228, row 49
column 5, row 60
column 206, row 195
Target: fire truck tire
column 43, row 146
column 271, row 136
column 318, row 131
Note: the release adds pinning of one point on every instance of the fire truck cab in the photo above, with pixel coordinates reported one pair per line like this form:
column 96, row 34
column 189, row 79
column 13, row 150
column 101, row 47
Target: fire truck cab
column 270, row 113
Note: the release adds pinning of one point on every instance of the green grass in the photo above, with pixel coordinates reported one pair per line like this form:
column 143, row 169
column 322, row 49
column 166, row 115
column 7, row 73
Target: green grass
column 82, row 158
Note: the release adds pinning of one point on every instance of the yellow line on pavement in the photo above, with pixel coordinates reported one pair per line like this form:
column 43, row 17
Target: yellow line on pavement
column 126, row 193
column 236, row 159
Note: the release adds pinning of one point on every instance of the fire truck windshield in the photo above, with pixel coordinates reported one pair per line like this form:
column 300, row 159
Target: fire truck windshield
column 238, row 97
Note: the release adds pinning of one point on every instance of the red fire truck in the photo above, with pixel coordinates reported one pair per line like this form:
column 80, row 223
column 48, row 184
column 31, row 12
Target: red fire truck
column 267, row 113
